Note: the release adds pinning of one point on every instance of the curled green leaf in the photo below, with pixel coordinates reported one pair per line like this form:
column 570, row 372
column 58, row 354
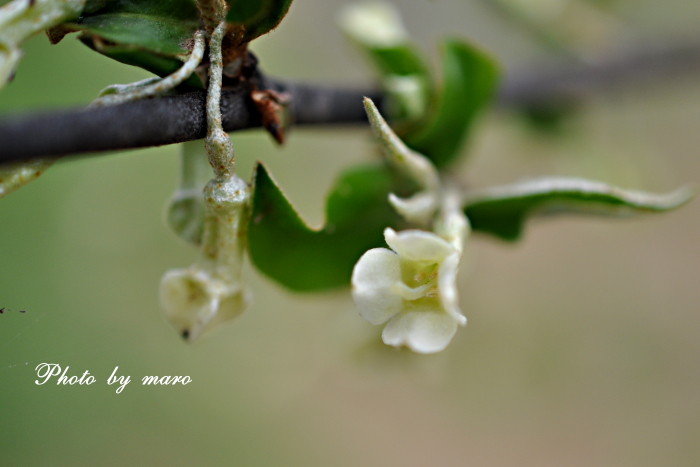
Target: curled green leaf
column 303, row 259
column 503, row 210
column 470, row 79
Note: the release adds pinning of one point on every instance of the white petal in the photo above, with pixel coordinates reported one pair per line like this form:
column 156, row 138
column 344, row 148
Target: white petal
column 419, row 208
column 230, row 305
column 423, row 331
column 418, row 245
column 183, row 297
column 447, row 288
column 372, row 279
column 196, row 303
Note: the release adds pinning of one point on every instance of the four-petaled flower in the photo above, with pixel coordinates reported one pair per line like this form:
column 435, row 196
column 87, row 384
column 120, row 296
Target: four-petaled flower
column 411, row 288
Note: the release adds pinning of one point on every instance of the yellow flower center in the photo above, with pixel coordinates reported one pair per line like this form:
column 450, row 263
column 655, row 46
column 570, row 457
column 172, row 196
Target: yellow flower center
column 418, row 284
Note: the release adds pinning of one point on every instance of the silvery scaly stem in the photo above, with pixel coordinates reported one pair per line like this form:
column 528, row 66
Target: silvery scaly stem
column 15, row 176
column 211, row 291
column 217, row 143
column 21, row 19
column 120, row 93
column 212, row 12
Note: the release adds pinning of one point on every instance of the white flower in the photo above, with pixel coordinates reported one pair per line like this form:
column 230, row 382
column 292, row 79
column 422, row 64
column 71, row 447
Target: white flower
column 196, row 299
column 411, row 288
column 211, row 291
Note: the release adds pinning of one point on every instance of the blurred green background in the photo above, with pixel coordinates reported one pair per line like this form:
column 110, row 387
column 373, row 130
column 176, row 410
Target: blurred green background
column 582, row 346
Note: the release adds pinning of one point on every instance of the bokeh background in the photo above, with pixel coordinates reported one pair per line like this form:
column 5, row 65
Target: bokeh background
column 582, row 346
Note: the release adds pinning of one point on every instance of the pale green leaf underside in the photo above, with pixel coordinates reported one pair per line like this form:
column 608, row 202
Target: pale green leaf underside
column 503, row 210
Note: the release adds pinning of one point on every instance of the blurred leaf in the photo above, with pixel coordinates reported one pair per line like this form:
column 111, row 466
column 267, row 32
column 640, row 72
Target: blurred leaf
column 469, row 82
column 304, row 259
column 147, row 34
column 258, row 17
column 377, row 29
column 406, row 79
column 402, row 60
column 503, row 210
column 549, row 119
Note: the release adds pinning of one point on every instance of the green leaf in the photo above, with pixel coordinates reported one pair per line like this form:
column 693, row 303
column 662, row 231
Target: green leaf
column 503, row 210
column 147, row 34
column 283, row 247
column 160, row 35
column 401, row 60
column 378, row 30
column 470, row 79
column 258, row 17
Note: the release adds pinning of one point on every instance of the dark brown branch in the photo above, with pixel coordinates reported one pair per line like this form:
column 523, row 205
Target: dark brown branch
column 168, row 120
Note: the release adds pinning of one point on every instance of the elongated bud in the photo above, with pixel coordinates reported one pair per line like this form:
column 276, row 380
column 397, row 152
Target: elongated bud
column 421, row 207
column 186, row 210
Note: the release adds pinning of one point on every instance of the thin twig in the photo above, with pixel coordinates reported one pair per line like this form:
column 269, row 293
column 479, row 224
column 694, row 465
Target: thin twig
column 166, row 120
column 174, row 119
